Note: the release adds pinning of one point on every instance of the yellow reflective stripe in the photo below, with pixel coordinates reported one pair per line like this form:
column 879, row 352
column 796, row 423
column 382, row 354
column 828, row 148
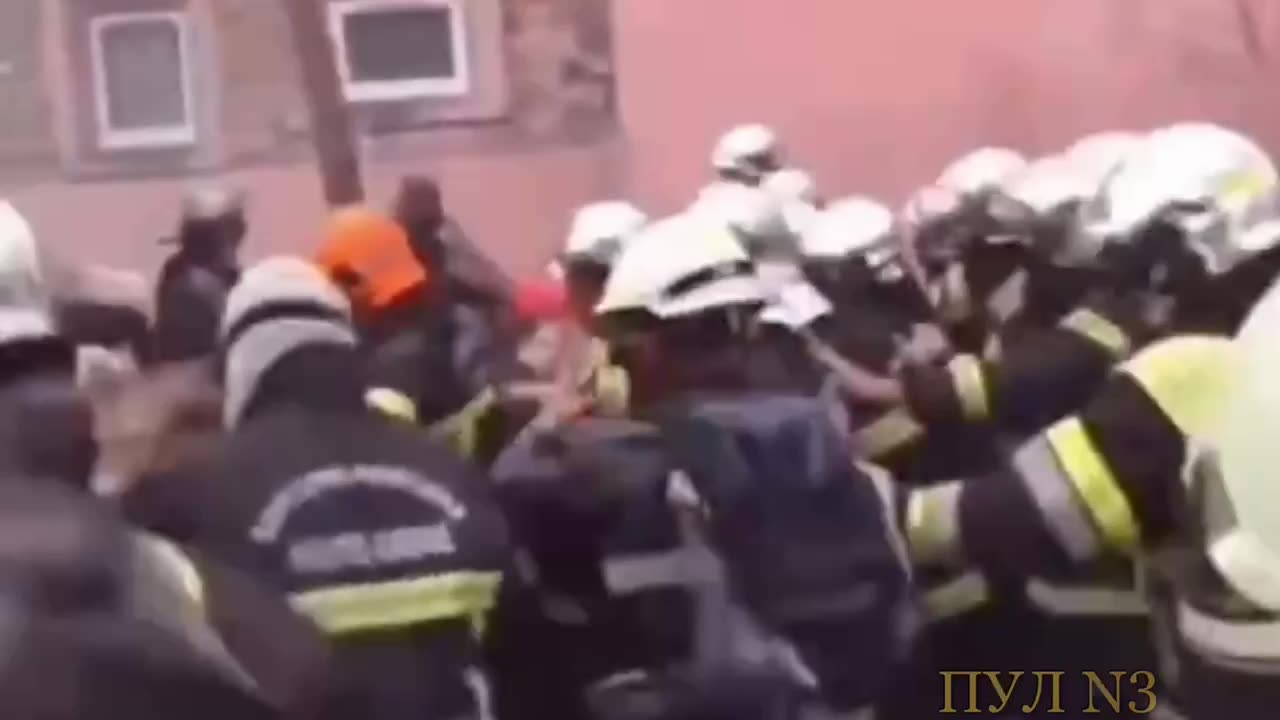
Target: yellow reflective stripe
column 933, row 524
column 611, row 389
column 1099, row 330
column 1188, row 378
column 180, row 568
column 461, row 429
column 887, row 433
column 1094, row 483
column 392, row 403
column 956, row 597
column 971, row 386
column 397, row 603
column 1245, row 187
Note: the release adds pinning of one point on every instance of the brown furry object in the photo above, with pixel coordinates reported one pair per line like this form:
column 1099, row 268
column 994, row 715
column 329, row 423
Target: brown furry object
column 154, row 422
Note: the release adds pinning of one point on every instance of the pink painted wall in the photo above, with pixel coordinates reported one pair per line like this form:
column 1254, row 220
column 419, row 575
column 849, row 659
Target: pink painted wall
column 514, row 203
column 875, row 96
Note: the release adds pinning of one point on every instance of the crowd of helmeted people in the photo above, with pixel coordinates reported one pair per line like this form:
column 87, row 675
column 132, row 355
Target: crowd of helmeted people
column 781, row 455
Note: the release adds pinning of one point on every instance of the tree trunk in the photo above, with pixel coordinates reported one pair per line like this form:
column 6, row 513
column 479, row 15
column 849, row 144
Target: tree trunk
column 330, row 121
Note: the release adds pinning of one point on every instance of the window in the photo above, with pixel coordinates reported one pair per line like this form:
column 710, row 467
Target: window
column 142, row 83
column 390, row 50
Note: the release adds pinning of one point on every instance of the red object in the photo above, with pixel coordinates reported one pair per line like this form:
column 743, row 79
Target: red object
column 541, row 300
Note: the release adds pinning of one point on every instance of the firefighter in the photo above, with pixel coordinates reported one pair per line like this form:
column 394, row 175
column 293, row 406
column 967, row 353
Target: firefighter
column 1187, row 241
column 194, row 281
column 644, row 626
column 1220, row 568
column 1235, row 186
column 580, row 374
column 388, row 542
column 946, row 238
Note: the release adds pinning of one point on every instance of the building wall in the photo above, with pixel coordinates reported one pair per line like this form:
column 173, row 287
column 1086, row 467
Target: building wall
column 25, row 141
column 875, row 96
column 534, row 140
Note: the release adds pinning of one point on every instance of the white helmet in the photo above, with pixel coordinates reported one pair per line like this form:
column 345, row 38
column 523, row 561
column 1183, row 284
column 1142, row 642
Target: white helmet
column 681, row 266
column 967, row 180
column 977, row 172
column 210, row 202
column 756, row 216
column 749, row 150
column 1218, row 187
column 853, row 226
column 1049, row 190
column 793, row 184
column 599, row 230
column 24, row 311
column 928, row 204
column 1042, row 188
column 798, row 192
column 1247, row 551
column 1100, row 154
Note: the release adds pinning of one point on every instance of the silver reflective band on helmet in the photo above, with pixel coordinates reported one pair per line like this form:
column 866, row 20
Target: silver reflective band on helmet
column 680, row 266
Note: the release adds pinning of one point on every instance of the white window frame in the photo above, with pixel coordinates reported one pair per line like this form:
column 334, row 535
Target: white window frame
column 397, row 90
column 160, row 136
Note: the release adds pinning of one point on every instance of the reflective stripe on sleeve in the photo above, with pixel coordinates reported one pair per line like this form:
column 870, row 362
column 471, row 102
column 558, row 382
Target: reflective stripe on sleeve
column 396, row 603
column 680, row 567
column 1226, row 640
column 933, row 523
column 1099, row 330
column 392, row 403
column 1040, row 471
column 971, row 386
column 957, row 597
column 1094, row 483
column 178, row 567
column 888, row 433
column 1086, row 600
column 1005, row 301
